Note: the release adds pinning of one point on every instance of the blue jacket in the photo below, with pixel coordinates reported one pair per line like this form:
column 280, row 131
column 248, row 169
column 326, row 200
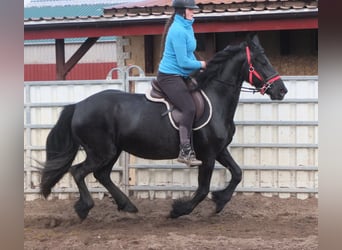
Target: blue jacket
column 180, row 44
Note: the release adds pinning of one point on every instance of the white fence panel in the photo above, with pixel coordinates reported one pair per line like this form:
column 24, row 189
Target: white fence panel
column 43, row 103
column 275, row 144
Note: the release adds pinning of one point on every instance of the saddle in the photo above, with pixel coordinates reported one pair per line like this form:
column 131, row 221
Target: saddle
column 202, row 103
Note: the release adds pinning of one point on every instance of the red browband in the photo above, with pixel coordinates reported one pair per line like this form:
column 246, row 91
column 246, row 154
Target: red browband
column 257, row 75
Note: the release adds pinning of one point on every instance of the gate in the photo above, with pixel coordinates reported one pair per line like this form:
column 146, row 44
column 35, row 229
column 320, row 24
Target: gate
column 275, row 142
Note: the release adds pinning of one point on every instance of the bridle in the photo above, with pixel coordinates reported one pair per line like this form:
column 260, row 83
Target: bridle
column 253, row 72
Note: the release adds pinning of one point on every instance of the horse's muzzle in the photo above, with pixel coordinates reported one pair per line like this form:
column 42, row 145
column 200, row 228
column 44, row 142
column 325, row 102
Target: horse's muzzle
column 277, row 91
column 279, row 96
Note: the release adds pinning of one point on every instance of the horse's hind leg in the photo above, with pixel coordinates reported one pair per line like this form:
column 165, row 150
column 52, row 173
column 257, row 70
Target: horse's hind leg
column 100, row 153
column 123, row 202
column 85, row 202
column 221, row 197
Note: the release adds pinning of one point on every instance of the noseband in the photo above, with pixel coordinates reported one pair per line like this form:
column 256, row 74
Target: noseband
column 253, row 72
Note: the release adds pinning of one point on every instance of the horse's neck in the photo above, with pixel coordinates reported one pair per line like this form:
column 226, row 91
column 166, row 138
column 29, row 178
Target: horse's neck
column 226, row 89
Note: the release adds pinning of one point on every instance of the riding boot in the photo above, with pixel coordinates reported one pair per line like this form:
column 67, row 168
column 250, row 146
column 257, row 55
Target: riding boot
column 187, row 155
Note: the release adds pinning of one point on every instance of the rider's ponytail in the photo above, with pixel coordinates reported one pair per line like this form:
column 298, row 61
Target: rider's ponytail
column 179, row 11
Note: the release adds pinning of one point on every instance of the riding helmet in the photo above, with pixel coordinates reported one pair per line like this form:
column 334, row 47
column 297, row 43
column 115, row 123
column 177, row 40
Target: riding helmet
column 186, row 4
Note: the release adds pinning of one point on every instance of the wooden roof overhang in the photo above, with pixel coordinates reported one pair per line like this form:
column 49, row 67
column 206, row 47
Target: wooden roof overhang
column 95, row 27
column 214, row 22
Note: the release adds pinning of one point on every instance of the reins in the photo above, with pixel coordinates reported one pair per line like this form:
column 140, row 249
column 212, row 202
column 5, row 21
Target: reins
column 249, row 90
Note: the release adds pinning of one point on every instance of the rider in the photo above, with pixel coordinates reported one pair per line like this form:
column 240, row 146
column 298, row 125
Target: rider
column 178, row 61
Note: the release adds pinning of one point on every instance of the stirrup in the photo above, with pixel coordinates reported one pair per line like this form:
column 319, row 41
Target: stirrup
column 190, row 162
column 188, row 156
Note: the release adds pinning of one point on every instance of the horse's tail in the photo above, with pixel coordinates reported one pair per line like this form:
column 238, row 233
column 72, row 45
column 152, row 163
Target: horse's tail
column 61, row 149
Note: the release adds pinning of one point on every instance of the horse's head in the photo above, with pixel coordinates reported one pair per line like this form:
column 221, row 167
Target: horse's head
column 259, row 71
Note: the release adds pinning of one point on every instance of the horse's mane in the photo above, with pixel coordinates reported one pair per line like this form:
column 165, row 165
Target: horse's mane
column 215, row 65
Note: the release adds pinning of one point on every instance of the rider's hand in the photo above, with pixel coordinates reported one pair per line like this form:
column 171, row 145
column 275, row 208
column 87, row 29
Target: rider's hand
column 203, row 64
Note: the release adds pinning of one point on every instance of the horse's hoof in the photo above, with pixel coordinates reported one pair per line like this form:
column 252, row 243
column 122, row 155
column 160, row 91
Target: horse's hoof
column 82, row 210
column 180, row 207
column 129, row 207
column 220, row 203
column 219, row 207
column 173, row 215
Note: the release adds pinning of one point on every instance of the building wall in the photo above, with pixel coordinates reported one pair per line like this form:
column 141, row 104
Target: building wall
column 40, row 59
column 302, row 58
column 135, row 49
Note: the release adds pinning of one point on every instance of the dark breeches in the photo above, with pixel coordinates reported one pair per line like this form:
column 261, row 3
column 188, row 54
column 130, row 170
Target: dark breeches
column 176, row 90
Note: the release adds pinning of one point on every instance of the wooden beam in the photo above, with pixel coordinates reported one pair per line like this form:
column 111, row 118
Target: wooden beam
column 155, row 29
column 79, row 54
column 72, row 32
column 62, row 68
column 60, row 59
column 256, row 25
column 149, row 45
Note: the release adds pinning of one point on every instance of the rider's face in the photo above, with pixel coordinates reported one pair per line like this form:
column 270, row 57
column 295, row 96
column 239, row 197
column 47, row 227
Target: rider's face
column 189, row 14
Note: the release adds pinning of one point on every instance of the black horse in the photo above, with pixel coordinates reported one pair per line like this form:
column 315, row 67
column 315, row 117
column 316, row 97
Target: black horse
column 111, row 121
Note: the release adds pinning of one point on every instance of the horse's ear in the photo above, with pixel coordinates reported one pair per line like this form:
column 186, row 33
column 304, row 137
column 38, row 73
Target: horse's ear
column 252, row 38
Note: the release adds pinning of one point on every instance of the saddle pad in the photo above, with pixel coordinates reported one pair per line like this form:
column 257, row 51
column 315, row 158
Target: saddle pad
column 204, row 120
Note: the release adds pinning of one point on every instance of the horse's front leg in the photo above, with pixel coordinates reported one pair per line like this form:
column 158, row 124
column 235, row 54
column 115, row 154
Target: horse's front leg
column 222, row 197
column 186, row 206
